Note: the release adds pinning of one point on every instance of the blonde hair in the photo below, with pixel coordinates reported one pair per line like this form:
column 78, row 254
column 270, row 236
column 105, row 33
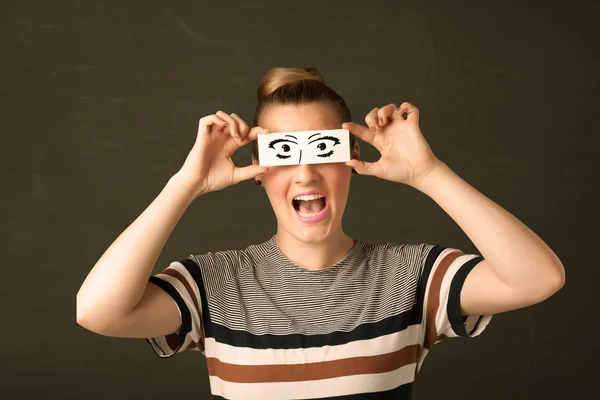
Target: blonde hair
column 280, row 86
column 277, row 77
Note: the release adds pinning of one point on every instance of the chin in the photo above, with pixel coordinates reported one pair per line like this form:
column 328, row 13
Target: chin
column 307, row 233
column 311, row 235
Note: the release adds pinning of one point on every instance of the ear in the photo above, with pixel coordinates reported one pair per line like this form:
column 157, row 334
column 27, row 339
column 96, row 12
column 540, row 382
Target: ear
column 355, row 153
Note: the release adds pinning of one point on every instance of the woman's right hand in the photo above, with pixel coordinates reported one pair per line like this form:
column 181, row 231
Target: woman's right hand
column 209, row 167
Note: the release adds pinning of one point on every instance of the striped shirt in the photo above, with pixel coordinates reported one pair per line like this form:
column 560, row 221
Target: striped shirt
column 361, row 328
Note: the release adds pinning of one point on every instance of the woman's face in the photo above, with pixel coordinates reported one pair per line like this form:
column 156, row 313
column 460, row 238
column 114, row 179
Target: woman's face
column 284, row 183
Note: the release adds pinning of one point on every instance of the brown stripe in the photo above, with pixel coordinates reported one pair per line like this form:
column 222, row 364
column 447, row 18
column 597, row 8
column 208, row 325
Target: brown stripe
column 433, row 298
column 312, row 371
column 177, row 275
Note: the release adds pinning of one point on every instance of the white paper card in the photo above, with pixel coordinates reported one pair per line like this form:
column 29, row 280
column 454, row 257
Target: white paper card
column 303, row 147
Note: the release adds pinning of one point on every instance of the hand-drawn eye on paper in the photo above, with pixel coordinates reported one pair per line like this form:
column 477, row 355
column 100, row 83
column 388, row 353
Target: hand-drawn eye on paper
column 324, row 146
column 284, row 147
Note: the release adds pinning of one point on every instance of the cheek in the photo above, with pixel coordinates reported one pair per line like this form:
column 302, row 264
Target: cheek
column 277, row 189
column 339, row 180
column 341, row 175
column 342, row 190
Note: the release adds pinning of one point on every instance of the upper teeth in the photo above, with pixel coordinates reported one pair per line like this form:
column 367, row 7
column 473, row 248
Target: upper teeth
column 309, row 197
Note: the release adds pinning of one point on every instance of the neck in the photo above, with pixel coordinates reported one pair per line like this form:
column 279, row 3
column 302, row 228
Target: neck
column 317, row 254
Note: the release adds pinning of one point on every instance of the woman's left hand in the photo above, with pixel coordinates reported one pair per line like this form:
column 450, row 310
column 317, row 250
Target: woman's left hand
column 405, row 155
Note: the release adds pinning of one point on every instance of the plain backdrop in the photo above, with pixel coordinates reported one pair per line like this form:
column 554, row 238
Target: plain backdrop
column 99, row 107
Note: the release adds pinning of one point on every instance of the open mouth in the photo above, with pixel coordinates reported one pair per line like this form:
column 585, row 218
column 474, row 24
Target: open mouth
column 309, row 206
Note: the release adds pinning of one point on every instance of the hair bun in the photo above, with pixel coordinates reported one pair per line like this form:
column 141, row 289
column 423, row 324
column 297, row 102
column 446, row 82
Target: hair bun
column 274, row 78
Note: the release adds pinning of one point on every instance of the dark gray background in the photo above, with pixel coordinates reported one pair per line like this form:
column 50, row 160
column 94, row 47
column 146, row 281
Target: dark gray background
column 100, row 104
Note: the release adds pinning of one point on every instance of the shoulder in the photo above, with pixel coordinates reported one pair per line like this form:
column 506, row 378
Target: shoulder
column 412, row 256
column 406, row 251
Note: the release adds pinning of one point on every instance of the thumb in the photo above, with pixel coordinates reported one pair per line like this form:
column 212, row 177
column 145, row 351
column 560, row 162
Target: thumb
column 363, row 168
column 249, row 172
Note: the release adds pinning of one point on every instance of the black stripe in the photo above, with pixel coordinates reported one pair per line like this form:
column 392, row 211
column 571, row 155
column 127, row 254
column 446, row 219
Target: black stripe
column 418, row 308
column 237, row 338
column 457, row 321
column 186, row 319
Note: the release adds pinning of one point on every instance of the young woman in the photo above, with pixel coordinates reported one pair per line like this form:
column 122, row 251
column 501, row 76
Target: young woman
column 312, row 312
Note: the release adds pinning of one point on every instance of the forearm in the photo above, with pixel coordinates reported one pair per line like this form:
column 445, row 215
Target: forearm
column 518, row 256
column 117, row 282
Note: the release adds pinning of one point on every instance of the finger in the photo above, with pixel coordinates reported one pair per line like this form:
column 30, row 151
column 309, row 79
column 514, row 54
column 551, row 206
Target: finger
column 412, row 112
column 384, row 113
column 371, row 119
column 361, row 131
column 253, row 133
column 231, row 123
column 242, row 127
column 242, row 124
column 364, row 168
column 243, row 173
column 206, row 124
column 232, row 145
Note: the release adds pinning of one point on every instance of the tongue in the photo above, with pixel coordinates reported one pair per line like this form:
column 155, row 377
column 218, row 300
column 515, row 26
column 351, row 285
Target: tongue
column 311, row 206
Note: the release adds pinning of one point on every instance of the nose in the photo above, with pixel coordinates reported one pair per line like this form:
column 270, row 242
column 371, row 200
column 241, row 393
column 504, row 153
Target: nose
column 305, row 174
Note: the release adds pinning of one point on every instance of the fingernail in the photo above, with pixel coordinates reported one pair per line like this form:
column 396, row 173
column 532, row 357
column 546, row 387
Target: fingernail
column 381, row 121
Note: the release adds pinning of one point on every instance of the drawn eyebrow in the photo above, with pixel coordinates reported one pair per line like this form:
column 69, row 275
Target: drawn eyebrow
column 314, row 134
column 292, row 137
column 336, row 140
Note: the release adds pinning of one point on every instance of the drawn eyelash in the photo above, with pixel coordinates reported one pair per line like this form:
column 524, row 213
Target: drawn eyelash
column 282, row 156
column 326, row 154
column 280, row 140
column 336, row 140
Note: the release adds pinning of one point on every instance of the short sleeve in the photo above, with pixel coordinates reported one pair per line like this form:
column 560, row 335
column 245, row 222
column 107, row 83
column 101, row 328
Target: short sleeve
column 182, row 281
column 440, row 275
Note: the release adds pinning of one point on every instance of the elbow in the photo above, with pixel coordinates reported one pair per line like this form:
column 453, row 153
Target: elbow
column 560, row 279
column 81, row 317
column 79, row 312
column 556, row 283
column 560, row 283
column 84, row 320
column 543, row 289
column 90, row 324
